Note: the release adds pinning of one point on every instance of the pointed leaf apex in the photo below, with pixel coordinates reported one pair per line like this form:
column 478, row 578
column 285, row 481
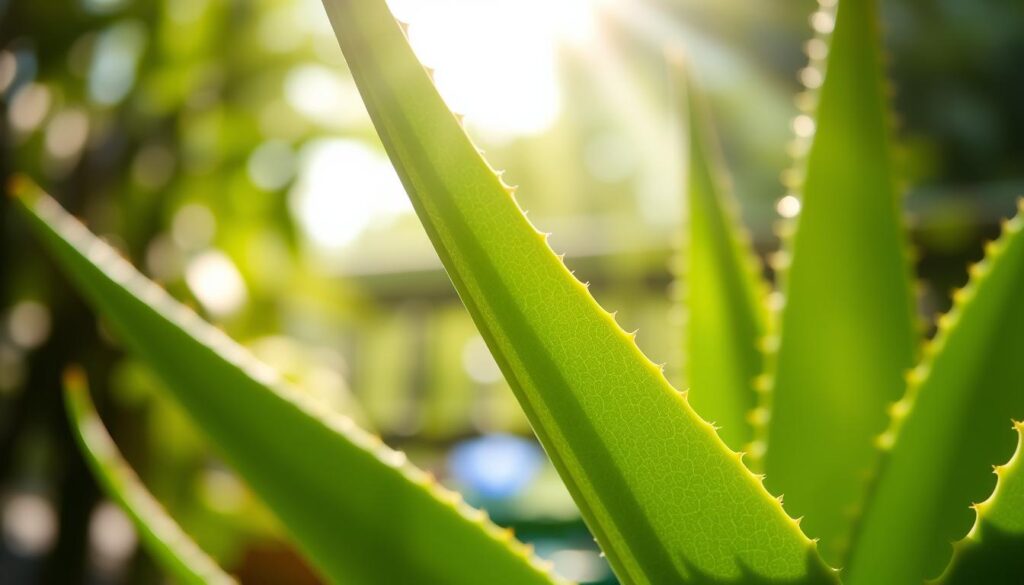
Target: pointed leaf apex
column 19, row 186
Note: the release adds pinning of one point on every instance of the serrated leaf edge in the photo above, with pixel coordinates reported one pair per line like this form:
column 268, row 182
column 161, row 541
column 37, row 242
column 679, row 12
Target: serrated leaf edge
column 817, row 50
column 1015, row 464
column 123, row 273
column 739, row 236
column 898, row 411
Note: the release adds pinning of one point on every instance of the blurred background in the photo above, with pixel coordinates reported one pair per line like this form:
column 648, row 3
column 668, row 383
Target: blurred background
column 222, row 146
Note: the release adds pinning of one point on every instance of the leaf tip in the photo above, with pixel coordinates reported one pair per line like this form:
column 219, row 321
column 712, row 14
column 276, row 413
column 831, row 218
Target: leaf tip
column 20, row 186
column 74, row 379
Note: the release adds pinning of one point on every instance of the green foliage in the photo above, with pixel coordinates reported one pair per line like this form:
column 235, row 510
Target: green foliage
column 666, row 497
column 616, row 430
column 951, row 428
column 726, row 317
column 332, row 484
column 847, row 328
column 168, row 544
column 991, row 551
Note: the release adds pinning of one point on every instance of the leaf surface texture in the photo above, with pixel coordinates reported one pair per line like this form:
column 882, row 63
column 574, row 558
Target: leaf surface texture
column 950, row 429
column 847, row 332
column 358, row 509
column 666, row 499
column 993, row 552
column 723, row 296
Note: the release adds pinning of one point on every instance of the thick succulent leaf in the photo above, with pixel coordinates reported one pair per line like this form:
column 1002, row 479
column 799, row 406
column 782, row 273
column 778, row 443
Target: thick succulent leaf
column 723, row 296
column 993, row 552
column 666, row 499
column 950, row 428
column 169, row 545
column 847, row 327
column 362, row 513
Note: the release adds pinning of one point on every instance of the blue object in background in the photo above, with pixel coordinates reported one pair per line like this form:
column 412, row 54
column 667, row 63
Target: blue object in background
column 495, row 467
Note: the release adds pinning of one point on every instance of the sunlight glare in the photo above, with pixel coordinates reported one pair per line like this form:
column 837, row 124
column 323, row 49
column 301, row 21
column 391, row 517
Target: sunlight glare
column 323, row 96
column 216, row 282
column 496, row 61
column 343, row 188
column 788, row 207
column 112, row 537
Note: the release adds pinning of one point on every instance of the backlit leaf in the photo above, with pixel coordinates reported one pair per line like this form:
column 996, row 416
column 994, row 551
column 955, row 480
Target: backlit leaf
column 656, row 485
column 847, row 332
column 993, row 552
column 362, row 513
column 163, row 538
column 723, row 296
column 950, row 429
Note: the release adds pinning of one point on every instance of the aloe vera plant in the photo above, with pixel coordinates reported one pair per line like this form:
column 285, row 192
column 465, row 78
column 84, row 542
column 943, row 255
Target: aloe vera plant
column 170, row 546
column 884, row 466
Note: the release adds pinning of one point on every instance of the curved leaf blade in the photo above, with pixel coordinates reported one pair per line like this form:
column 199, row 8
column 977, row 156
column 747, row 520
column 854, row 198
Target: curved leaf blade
column 993, row 552
column 950, row 428
column 170, row 546
column 666, row 499
column 358, row 509
column 723, row 295
column 847, row 332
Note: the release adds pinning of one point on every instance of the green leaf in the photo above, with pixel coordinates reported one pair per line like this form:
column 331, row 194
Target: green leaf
column 847, row 327
column 163, row 538
column 993, row 552
column 666, row 499
column 724, row 298
column 950, row 428
column 359, row 510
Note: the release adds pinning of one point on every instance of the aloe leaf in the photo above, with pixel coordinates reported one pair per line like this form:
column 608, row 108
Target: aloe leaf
column 950, row 428
column 666, row 499
column 993, row 551
column 359, row 510
column 847, row 330
column 723, row 295
column 169, row 545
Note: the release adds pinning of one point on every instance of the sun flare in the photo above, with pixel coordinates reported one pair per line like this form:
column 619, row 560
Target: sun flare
column 496, row 61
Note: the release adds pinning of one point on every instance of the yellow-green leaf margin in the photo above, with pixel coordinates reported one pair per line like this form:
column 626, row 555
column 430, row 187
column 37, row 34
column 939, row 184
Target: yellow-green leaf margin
column 666, row 499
